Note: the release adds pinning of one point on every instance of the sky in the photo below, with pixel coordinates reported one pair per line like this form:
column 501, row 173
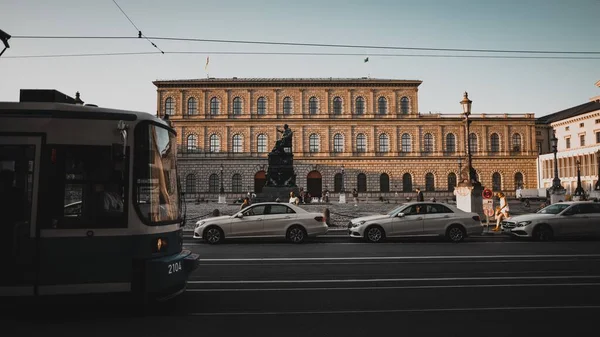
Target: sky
column 539, row 86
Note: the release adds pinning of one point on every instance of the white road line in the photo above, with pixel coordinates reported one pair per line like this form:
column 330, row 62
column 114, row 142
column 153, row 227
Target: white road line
column 390, row 311
column 371, row 258
column 420, row 279
column 398, row 288
column 211, row 264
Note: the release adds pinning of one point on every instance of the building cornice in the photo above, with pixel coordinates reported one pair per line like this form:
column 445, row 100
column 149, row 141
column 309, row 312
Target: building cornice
column 284, row 83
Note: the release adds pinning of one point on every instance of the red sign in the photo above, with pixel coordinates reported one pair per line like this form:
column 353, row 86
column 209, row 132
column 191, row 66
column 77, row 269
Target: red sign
column 487, row 193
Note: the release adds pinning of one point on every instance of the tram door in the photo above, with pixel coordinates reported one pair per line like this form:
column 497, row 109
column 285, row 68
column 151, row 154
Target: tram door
column 19, row 173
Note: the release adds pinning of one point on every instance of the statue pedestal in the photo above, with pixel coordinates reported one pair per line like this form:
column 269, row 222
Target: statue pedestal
column 469, row 198
column 222, row 199
column 272, row 193
column 557, row 195
column 342, row 198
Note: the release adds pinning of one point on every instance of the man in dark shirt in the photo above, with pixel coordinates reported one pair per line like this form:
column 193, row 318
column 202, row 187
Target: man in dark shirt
column 420, row 195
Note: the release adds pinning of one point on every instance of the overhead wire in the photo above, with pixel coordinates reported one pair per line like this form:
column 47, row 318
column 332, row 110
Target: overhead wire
column 140, row 34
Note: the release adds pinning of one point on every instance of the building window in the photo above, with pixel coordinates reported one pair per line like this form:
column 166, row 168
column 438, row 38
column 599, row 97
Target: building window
column 567, row 128
column 190, row 183
column 338, row 143
column 214, row 106
column 384, row 143
column 287, row 106
column 473, row 143
column 429, row 182
column 313, row 143
column 361, row 143
column 428, row 143
column 192, row 106
column 236, row 183
column 384, row 183
column 192, row 143
column 496, row 182
column 568, row 142
column 337, row 106
column 450, row 143
column 215, row 144
column 518, row 180
column 337, row 183
column 597, row 121
column 262, row 143
column 213, row 183
column 361, row 182
column 360, row 106
column 404, row 105
column 237, row 106
column 169, row 106
column 516, row 142
column 405, row 143
column 382, row 105
column 598, row 137
column 582, row 140
column 261, row 106
column 406, row 182
column 313, row 105
column 236, row 144
column 581, row 125
column 538, row 133
column 451, row 181
column 494, row 143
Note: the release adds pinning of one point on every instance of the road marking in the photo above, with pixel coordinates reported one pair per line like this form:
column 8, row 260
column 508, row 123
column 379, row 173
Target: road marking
column 212, row 264
column 399, row 287
column 479, row 278
column 371, row 258
column 345, row 312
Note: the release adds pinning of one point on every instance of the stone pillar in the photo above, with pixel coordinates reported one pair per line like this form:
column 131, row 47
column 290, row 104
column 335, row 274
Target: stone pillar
column 469, row 198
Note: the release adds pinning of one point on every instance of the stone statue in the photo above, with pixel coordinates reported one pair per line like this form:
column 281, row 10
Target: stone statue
column 285, row 141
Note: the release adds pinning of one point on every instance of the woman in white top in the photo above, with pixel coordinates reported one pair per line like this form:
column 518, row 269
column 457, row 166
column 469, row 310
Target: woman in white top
column 501, row 211
column 293, row 199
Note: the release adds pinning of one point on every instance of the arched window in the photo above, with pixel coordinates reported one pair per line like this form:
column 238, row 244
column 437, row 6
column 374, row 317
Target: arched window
column 337, row 183
column 384, row 143
column 261, row 106
column 236, row 146
column 192, row 106
column 404, row 105
column 215, row 143
column 337, row 106
column 429, row 182
column 516, row 142
column 287, row 106
column 237, row 106
column 450, row 143
column 236, row 183
column 428, row 143
column 361, row 182
column 190, row 183
column 213, row 183
column 519, row 180
column 406, row 147
column 192, row 142
column 382, row 105
column 338, row 143
column 313, row 143
column 313, row 105
column 407, row 182
column 215, row 106
column 361, row 143
column 451, row 181
column 384, row 182
column 360, row 106
column 262, row 143
column 496, row 182
column 169, row 106
column 473, row 143
column 494, row 143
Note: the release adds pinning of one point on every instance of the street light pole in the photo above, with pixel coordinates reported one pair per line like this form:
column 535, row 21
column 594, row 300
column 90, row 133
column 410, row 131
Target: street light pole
column 556, row 181
column 343, row 180
column 466, row 104
column 579, row 191
column 222, row 187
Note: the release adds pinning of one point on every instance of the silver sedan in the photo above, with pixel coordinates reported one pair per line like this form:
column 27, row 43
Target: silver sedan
column 263, row 220
column 417, row 219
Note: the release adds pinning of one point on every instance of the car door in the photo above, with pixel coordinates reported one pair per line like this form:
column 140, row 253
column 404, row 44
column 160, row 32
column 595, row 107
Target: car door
column 250, row 223
column 590, row 219
column 409, row 221
column 277, row 219
column 436, row 218
column 572, row 221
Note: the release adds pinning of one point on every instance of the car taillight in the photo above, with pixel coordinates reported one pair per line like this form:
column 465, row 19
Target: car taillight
column 476, row 218
column 319, row 218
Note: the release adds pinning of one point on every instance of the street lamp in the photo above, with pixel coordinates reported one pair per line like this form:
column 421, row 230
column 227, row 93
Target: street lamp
column 579, row 192
column 466, row 105
column 222, row 187
column 556, row 181
column 343, row 180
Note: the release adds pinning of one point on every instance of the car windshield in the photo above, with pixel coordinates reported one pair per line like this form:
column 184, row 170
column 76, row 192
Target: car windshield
column 396, row 210
column 553, row 209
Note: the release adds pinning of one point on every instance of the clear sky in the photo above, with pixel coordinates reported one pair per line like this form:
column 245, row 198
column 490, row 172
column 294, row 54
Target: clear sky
column 540, row 86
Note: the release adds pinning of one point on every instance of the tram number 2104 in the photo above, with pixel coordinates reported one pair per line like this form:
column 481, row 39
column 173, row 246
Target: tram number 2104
column 175, row 267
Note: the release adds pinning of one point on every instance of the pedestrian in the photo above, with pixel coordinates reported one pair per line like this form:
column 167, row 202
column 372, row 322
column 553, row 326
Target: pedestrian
column 420, row 196
column 355, row 196
column 501, row 211
column 245, row 204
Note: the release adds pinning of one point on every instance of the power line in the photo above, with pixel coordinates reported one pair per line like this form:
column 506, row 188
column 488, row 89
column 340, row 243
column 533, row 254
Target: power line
column 139, row 30
column 315, row 44
column 308, row 54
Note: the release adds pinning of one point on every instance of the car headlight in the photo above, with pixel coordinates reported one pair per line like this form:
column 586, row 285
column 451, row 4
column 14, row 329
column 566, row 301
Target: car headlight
column 523, row 223
column 356, row 224
column 199, row 223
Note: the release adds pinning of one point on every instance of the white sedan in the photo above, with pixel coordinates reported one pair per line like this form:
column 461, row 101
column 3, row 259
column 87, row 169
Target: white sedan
column 263, row 220
column 417, row 219
column 575, row 218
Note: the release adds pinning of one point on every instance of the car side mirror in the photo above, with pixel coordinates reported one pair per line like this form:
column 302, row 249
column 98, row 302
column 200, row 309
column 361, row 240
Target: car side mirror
column 239, row 215
column 400, row 215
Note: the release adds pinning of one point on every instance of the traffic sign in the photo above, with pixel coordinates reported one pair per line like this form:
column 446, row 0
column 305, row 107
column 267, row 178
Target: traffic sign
column 487, row 193
column 488, row 207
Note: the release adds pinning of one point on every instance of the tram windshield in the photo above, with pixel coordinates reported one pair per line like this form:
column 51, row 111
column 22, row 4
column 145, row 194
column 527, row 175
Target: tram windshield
column 155, row 169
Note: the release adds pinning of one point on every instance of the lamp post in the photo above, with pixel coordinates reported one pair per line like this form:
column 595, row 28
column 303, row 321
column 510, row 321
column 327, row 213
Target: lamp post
column 222, row 187
column 556, row 181
column 597, row 186
column 579, row 193
column 343, row 180
column 343, row 189
column 466, row 105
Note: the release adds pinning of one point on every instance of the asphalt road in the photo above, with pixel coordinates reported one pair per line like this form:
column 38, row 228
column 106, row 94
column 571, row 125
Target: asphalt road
column 412, row 288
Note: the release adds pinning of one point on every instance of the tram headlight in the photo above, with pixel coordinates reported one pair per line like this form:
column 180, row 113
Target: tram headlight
column 160, row 245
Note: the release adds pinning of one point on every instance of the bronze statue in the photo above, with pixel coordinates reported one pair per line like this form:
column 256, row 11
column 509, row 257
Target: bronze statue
column 285, row 141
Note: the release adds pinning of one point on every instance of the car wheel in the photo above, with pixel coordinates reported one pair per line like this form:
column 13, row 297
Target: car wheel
column 296, row 234
column 455, row 233
column 213, row 235
column 543, row 233
column 374, row 234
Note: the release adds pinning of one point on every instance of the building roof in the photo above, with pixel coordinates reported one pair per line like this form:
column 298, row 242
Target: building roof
column 293, row 81
column 570, row 112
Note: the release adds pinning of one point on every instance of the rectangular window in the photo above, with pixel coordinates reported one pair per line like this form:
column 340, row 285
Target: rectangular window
column 581, row 125
column 568, row 142
column 538, row 133
column 567, row 128
column 581, row 140
column 598, row 137
column 597, row 121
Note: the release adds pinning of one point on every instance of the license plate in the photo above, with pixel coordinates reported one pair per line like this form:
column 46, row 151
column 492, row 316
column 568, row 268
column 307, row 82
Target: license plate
column 175, row 267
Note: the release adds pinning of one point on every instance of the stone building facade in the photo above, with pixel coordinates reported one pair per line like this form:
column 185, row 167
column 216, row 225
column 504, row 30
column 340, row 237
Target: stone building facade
column 358, row 133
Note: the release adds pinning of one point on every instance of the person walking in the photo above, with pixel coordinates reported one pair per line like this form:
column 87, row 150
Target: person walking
column 502, row 210
column 420, row 196
column 355, row 196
